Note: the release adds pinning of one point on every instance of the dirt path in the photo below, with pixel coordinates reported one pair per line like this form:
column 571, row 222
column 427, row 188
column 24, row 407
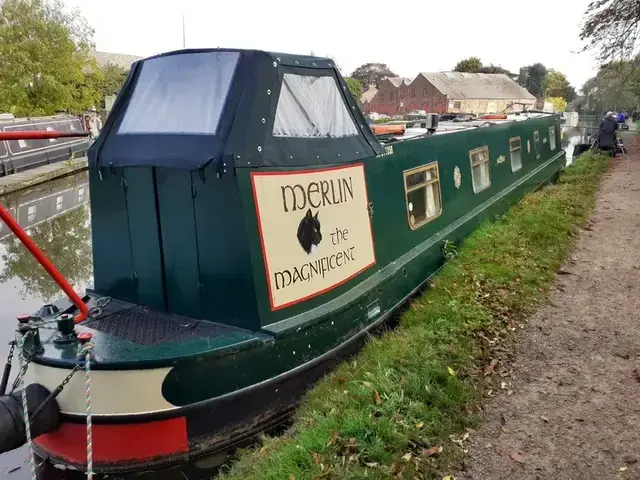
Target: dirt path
column 575, row 408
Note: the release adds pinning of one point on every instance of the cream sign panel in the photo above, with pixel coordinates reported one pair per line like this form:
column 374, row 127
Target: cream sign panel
column 314, row 228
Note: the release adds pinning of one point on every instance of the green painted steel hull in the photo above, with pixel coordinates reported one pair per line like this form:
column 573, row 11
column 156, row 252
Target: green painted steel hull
column 405, row 262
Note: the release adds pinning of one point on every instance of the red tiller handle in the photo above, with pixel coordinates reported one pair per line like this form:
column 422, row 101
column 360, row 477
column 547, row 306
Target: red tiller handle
column 40, row 135
column 45, row 262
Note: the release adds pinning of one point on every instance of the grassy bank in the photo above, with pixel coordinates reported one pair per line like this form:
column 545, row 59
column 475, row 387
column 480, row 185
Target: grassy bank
column 400, row 409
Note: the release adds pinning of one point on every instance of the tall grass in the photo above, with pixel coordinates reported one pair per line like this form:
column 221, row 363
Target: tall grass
column 390, row 412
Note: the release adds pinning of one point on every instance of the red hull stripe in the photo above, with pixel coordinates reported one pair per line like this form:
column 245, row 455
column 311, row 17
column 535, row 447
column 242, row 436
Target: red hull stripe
column 116, row 443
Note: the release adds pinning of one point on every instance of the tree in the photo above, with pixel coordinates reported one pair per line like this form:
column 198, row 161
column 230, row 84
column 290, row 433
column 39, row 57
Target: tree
column 491, row 68
column 471, row 65
column 355, row 87
column 559, row 103
column 606, row 91
column 557, row 85
column 474, row 65
column 372, row 74
column 611, row 27
column 532, row 78
column 45, row 53
column 113, row 77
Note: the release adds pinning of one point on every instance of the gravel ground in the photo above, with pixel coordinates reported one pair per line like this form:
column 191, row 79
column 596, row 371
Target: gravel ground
column 574, row 412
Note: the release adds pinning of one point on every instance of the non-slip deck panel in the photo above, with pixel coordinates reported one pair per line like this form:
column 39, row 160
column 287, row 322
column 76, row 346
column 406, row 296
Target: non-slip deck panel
column 144, row 326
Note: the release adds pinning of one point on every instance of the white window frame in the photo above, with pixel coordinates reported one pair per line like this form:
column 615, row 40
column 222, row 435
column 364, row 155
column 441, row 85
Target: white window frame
column 474, row 163
column 515, row 149
column 407, row 190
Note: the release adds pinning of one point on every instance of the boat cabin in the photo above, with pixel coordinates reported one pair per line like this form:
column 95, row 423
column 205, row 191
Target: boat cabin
column 178, row 163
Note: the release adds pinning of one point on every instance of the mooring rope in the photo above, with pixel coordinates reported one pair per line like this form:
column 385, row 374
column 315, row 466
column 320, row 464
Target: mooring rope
column 25, row 408
column 87, row 350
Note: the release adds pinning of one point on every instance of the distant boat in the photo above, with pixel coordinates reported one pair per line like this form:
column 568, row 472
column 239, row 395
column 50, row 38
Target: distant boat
column 19, row 155
column 246, row 243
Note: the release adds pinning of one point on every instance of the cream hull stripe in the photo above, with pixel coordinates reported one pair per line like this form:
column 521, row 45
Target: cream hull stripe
column 114, row 392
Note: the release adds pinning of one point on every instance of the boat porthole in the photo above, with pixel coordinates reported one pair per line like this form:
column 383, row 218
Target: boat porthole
column 410, row 207
column 268, row 92
column 412, row 219
column 275, row 64
column 264, row 121
column 259, row 148
column 404, row 272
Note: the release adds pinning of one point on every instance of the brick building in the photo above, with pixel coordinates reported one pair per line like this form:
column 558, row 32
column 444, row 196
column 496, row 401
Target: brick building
column 451, row 92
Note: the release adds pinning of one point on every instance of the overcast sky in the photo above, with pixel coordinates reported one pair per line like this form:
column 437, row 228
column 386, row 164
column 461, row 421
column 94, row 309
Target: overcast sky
column 410, row 36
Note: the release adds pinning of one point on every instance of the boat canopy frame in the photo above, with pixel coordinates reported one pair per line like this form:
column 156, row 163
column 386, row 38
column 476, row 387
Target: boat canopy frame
column 244, row 132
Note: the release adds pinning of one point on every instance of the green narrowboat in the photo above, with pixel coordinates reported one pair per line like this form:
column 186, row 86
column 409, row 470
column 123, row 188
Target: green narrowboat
column 249, row 230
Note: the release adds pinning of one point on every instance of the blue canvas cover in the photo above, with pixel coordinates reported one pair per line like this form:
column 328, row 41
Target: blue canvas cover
column 188, row 108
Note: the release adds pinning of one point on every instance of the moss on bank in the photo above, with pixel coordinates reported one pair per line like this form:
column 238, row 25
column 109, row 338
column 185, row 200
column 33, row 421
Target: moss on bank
column 387, row 413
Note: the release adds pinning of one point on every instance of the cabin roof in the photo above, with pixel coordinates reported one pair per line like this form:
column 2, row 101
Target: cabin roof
column 209, row 118
column 466, row 86
column 447, row 127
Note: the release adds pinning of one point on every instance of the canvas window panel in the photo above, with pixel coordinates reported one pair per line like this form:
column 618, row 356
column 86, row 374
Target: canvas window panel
column 180, row 94
column 312, row 107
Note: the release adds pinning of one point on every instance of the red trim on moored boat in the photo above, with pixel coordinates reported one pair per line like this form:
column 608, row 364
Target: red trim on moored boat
column 116, row 443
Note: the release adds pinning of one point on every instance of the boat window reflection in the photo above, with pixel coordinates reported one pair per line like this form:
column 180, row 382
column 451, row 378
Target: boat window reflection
column 515, row 148
column 480, row 169
column 423, row 195
column 552, row 137
column 536, row 143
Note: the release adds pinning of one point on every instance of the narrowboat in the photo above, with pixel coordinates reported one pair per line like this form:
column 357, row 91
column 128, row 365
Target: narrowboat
column 249, row 231
column 22, row 154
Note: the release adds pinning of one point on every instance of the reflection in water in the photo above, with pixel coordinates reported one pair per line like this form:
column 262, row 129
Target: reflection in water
column 573, row 136
column 65, row 240
column 57, row 217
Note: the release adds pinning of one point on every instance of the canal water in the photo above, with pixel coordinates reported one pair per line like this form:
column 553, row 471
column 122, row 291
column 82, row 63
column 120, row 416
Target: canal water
column 57, row 217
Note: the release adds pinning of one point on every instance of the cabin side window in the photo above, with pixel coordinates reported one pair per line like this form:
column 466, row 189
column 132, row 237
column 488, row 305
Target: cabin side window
column 423, row 196
column 515, row 149
column 552, row 137
column 312, row 107
column 480, row 170
column 3, row 149
column 31, row 213
column 536, row 143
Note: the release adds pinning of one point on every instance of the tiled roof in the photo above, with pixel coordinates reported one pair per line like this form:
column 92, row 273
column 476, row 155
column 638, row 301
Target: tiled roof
column 486, row 86
column 397, row 81
column 118, row 59
column 368, row 95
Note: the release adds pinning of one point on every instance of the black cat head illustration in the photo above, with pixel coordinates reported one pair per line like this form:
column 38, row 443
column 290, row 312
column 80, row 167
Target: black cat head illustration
column 309, row 231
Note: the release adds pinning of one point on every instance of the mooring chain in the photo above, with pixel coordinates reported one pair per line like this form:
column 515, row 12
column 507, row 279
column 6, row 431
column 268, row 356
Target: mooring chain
column 87, row 350
column 100, row 304
column 25, row 408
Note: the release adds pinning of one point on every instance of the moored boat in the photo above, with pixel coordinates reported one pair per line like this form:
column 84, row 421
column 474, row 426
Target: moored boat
column 17, row 155
column 242, row 247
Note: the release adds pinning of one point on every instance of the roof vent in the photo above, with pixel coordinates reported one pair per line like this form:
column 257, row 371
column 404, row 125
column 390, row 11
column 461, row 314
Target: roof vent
column 431, row 122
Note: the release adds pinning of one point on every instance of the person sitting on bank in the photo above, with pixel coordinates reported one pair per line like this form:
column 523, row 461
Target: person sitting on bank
column 607, row 133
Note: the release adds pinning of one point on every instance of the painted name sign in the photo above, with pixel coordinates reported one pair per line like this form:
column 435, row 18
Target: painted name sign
column 314, row 228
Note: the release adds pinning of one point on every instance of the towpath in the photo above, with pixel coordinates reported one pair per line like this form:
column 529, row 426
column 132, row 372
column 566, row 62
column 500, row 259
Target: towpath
column 574, row 413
